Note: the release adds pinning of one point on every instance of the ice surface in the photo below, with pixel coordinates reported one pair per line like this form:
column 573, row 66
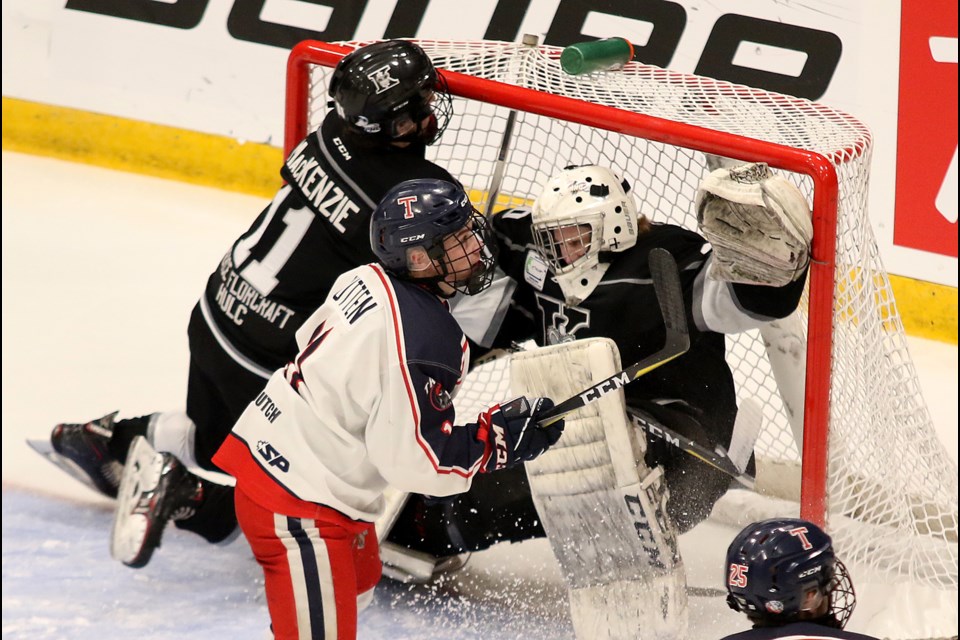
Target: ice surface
column 100, row 272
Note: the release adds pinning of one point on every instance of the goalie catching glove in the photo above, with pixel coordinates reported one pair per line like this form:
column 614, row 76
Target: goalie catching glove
column 512, row 435
column 758, row 223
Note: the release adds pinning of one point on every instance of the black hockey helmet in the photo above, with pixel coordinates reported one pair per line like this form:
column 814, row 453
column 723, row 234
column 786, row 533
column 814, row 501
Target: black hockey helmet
column 390, row 91
column 428, row 213
column 774, row 565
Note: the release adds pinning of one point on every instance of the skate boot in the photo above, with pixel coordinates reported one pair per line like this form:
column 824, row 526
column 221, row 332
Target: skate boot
column 84, row 447
column 155, row 488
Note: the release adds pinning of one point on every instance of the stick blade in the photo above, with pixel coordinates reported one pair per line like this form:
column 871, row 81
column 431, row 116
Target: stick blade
column 745, row 431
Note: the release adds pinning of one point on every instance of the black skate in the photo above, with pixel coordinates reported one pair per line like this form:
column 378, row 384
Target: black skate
column 83, row 452
column 155, row 489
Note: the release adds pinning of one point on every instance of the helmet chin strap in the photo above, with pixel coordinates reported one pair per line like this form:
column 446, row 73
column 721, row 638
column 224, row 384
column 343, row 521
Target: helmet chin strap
column 432, row 283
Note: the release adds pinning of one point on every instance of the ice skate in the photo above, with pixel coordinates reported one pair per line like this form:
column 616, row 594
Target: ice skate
column 416, row 567
column 154, row 489
column 84, row 453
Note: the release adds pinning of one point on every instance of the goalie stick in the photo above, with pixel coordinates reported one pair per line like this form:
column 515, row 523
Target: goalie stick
column 717, row 459
column 666, row 284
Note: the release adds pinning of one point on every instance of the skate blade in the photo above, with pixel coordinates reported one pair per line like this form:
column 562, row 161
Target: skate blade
column 65, row 464
column 141, row 475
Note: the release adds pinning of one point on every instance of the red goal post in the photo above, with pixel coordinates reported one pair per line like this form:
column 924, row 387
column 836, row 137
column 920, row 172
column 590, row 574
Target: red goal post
column 517, row 115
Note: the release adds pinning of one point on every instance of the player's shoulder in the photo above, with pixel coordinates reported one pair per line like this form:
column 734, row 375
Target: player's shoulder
column 360, row 291
column 513, row 223
column 672, row 235
column 686, row 247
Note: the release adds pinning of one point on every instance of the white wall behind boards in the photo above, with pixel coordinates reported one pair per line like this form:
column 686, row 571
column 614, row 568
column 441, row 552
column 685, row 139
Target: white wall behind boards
column 217, row 66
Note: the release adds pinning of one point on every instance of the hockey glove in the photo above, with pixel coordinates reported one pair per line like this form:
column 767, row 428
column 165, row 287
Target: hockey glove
column 511, row 433
column 758, row 223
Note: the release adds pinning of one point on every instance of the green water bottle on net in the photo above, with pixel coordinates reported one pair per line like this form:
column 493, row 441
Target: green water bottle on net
column 607, row 54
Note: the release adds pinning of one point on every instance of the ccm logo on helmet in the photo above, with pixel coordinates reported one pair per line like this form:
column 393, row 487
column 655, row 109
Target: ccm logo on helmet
column 420, row 236
column 810, row 572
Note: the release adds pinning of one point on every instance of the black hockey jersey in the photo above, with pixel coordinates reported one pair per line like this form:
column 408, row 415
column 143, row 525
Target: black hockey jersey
column 316, row 228
column 624, row 307
column 797, row 631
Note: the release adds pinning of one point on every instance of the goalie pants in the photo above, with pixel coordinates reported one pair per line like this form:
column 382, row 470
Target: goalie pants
column 319, row 572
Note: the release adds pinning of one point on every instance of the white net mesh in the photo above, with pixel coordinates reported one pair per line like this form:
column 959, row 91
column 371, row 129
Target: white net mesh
column 891, row 488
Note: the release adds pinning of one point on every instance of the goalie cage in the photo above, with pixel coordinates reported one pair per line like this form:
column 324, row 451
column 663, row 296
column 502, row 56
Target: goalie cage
column 854, row 444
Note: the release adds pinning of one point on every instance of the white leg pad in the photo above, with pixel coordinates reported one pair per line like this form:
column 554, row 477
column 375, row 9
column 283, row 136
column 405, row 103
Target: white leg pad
column 603, row 510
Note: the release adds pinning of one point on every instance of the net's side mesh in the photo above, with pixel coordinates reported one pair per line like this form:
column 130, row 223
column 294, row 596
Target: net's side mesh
column 891, row 487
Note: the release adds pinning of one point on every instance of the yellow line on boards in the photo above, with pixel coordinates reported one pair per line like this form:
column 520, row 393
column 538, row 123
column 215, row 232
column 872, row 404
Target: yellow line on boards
column 927, row 310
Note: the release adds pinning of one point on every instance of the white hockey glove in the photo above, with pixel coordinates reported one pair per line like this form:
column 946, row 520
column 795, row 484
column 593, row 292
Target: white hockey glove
column 513, row 434
column 758, row 223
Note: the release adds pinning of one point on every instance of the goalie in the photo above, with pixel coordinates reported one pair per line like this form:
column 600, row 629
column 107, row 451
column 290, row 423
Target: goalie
column 611, row 500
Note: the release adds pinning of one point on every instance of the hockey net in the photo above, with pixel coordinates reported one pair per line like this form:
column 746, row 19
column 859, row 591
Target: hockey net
column 846, row 433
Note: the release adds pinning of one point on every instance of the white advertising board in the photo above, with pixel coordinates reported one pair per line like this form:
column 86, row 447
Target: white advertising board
column 217, row 66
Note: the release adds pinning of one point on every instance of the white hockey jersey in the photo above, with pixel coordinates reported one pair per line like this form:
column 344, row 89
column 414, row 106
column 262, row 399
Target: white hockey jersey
column 367, row 402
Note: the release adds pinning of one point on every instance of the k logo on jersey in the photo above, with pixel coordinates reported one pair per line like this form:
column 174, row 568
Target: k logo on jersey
column 382, row 78
column 560, row 321
column 440, row 398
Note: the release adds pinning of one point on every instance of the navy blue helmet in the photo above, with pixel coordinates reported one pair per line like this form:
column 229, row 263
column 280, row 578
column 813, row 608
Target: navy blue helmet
column 783, row 570
column 390, row 91
column 438, row 216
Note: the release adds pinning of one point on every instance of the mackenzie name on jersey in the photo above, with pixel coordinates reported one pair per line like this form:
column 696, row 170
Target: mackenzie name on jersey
column 327, row 198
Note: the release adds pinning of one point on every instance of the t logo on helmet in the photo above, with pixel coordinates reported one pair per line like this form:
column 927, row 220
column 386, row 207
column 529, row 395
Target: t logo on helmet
column 801, row 532
column 407, row 202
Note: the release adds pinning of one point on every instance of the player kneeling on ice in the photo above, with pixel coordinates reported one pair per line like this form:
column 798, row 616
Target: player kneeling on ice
column 612, row 497
column 368, row 401
column 784, row 575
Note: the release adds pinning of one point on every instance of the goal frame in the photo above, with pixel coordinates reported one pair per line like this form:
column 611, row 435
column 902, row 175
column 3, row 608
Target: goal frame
column 822, row 173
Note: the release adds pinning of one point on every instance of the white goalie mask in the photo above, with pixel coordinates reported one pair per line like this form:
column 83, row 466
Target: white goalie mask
column 580, row 213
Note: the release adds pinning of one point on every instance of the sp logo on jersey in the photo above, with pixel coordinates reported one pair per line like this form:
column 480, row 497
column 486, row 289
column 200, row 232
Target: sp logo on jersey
column 382, row 79
column 272, row 456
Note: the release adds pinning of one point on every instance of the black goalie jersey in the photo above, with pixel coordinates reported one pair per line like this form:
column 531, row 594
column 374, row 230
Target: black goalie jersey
column 316, row 228
column 624, row 307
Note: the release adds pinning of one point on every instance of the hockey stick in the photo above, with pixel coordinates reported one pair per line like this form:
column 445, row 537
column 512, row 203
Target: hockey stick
column 666, row 283
column 716, row 459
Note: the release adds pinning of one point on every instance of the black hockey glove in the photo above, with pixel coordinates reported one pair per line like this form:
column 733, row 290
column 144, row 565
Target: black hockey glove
column 511, row 432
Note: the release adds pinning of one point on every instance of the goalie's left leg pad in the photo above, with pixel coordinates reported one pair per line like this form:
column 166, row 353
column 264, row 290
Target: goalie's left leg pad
column 603, row 509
